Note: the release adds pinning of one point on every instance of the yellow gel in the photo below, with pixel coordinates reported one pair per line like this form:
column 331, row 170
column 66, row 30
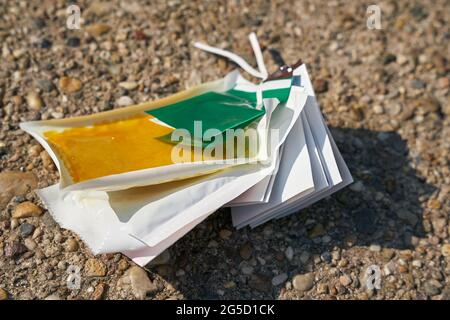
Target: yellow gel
column 112, row 148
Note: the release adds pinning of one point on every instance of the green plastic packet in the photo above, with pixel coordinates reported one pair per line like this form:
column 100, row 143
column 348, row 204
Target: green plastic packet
column 233, row 109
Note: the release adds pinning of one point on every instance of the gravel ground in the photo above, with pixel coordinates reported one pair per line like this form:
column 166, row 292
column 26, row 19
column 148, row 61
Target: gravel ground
column 385, row 94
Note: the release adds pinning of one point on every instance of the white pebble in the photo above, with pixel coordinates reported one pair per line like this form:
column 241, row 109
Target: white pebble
column 289, row 253
column 124, row 101
column 128, row 85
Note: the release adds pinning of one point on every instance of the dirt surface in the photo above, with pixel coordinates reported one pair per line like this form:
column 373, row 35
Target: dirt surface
column 384, row 93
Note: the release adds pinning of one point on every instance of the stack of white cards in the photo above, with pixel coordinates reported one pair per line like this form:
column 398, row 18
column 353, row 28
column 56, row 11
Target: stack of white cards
column 310, row 167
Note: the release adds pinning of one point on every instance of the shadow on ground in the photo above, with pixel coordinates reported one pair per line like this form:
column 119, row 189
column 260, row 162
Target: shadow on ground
column 383, row 207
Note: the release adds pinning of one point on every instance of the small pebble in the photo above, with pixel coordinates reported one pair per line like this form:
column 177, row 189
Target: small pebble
column 345, row 280
column 46, row 44
column 304, row 257
column 139, row 35
column 45, row 85
column 402, row 59
column 62, row 265
column 30, row 244
column 431, row 289
column 434, row 204
column 443, row 83
column 14, row 223
column 279, row 279
column 377, row 109
column 326, row 257
column 246, row 251
column 3, row 294
column 39, row 22
column 303, row 282
column 418, row 84
column 317, row 231
column 128, row 85
column 141, row 285
column 326, row 239
column 124, row 101
column 14, row 249
column 446, row 250
column 260, row 282
column 94, row 268
column 70, row 85
column 375, row 248
column 417, row 264
column 97, row 29
column 47, row 161
column 26, row 209
column 225, row 234
column 34, row 101
column 73, row 42
column 26, row 229
column 320, row 85
column 389, row 58
column 71, row 245
column 35, row 150
column 98, row 292
column 322, row 288
column 123, row 265
column 247, row 270
column 289, row 253
column 358, row 186
column 37, row 233
column 180, row 273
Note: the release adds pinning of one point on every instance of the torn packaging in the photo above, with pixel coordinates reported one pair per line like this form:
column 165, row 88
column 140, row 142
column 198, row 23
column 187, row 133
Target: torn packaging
column 143, row 212
column 143, row 221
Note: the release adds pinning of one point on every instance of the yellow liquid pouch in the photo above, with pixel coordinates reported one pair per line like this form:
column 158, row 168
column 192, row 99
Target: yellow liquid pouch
column 112, row 148
column 122, row 148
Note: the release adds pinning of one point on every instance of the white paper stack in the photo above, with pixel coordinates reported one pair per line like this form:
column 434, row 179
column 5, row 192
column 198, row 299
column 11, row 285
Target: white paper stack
column 310, row 168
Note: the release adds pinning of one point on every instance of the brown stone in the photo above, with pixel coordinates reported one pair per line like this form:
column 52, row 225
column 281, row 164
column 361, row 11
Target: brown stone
column 260, row 282
column 34, row 101
column 3, row 294
column 70, row 85
column 123, row 265
column 97, row 29
column 303, row 282
column 141, row 285
column 246, row 251
column 26, row 209
column 15, row 184
column 446, row 250
column 98, row 292
column 71, row 245
column 95, row 268
column 14, row 249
